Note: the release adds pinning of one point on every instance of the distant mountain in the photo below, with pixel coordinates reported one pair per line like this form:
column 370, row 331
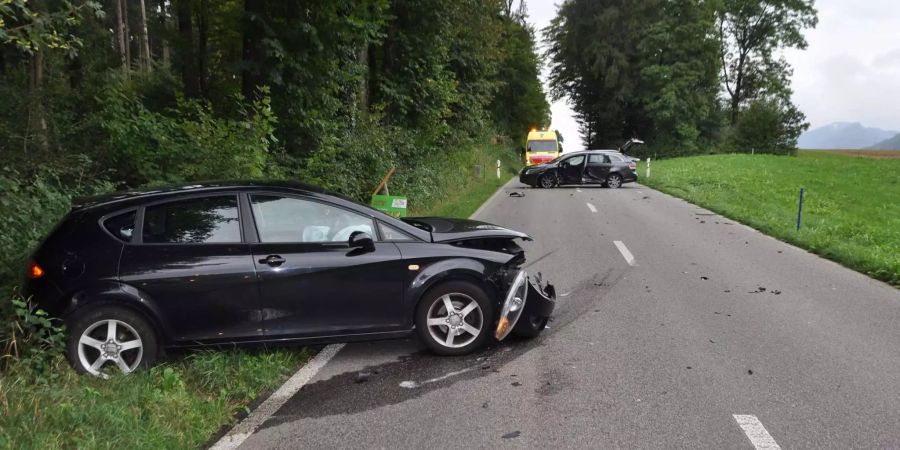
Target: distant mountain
column 843, row 135
column 888, row 144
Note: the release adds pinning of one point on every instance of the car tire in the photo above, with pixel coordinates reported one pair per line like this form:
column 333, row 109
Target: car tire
column 530, row 326
column 614, row 181
column 546, row 181
column 470, row 322
column 93, row 348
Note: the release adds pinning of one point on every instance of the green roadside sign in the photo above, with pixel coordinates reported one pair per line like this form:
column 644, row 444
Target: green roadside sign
column 391, row 204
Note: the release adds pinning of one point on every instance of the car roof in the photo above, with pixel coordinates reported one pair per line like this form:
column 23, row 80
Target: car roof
column 142, row 194
column 589, row 152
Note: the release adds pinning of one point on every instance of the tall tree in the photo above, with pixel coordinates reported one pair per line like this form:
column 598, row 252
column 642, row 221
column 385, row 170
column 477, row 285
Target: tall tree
column 752, row 32
column 146, row 61
column 592, row 53
column 121, row 38
column 679, row 76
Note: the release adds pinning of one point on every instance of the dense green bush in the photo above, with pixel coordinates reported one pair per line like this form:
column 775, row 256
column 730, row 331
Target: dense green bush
column 185, row 142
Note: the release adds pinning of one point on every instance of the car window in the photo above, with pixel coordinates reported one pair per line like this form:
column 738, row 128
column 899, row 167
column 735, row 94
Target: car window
column 598, row 158
column 121, row 226
column 194, row 221
column 288, row 219
column 575, row 160
column 389, row 233
column 616, row 158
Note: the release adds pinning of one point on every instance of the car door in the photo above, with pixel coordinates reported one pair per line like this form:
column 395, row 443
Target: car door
column 571, row 170
column 189, row 263
column 598, row 168
column 311, row 282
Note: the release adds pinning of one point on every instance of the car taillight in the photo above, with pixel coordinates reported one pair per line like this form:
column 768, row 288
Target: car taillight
column 632, row 165
column 35, row 271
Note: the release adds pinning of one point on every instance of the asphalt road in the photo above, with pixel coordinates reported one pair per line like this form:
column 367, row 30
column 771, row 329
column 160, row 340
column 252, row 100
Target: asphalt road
column 709, row 320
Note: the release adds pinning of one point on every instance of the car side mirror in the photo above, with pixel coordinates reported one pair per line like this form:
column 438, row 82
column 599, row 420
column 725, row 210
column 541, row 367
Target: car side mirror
column 362, row 240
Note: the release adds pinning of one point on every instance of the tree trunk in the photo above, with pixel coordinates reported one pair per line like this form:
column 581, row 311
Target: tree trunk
column 202, row 57
column 252, row 52
column 186, row 55
column 120, row 37
column 166, row 24
column 37, row 114
column 363, row 59
column 145, row 39
column 127, row 32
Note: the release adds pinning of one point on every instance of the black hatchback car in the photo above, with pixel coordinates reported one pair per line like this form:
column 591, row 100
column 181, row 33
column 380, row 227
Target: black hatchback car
column 248, row 262
column 585, row 167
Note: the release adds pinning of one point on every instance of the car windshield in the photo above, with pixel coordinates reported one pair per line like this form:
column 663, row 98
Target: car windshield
column 542, row 146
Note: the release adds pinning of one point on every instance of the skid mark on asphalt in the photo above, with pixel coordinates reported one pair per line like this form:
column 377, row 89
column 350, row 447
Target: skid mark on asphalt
column 756, row 432
column 349, row 393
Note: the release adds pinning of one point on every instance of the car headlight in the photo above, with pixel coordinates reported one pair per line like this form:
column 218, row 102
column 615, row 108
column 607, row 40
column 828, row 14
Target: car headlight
column 513, row 305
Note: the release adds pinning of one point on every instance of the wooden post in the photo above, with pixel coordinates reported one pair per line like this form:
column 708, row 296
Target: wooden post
column 384, row 182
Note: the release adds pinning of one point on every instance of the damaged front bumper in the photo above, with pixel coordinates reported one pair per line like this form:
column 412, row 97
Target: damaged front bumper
column 527, row 296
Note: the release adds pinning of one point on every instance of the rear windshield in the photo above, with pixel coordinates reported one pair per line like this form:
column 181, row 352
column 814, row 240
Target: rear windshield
column 542, row 146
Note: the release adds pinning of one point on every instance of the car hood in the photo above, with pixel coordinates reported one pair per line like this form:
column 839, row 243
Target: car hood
column 444, row 229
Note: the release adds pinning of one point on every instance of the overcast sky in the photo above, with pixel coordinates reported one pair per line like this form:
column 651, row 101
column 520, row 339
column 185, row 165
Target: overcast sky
column 849, row 73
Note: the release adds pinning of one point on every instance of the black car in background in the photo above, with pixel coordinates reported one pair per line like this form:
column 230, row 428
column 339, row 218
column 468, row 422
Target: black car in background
column 247, row 262
column 585, row 167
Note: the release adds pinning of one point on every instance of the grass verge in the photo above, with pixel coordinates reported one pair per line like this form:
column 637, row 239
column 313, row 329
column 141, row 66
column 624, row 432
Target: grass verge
column 178, row 404
column 184, row 401
column 851, row 211
column 467, row 188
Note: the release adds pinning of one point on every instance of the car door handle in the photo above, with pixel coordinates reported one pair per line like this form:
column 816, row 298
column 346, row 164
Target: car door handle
column 273, row 260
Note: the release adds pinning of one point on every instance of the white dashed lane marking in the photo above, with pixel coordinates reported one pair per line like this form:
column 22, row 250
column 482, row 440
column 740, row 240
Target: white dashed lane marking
column 592, row 207
column 756, row 432
column 629, row 258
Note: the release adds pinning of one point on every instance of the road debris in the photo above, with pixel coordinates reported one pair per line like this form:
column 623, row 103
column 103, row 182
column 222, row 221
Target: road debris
column 362, row 377
column 704, row 278
column 516, row 384
column 516, row 194
column 512, row 435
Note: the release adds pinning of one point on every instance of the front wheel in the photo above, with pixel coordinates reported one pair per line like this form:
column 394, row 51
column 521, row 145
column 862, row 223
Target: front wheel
column 547, row 181
column 454, row 318
column 109, row 339
column 614, row 181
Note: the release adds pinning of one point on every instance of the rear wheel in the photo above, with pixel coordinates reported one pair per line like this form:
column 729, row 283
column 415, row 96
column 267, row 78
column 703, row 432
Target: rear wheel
column 614, row 181
column 454, row 318
column 109, row 340
column 547, row 181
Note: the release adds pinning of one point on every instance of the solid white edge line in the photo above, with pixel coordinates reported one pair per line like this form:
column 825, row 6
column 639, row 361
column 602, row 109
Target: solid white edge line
column 592, row 207
column 756, row 432
column 245, row 428
column 629, row 258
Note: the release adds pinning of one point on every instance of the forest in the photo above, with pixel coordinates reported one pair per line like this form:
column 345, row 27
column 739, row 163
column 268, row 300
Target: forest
column 115, row 94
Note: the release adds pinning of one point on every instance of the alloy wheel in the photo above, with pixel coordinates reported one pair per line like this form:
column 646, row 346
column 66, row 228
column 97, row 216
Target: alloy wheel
column 613, row 181
column 546, row 181
column 455, row 320
column 110, row 341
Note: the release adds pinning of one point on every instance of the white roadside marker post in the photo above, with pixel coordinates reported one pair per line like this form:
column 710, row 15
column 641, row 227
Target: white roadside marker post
column 648, row 167
column 498, row 169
